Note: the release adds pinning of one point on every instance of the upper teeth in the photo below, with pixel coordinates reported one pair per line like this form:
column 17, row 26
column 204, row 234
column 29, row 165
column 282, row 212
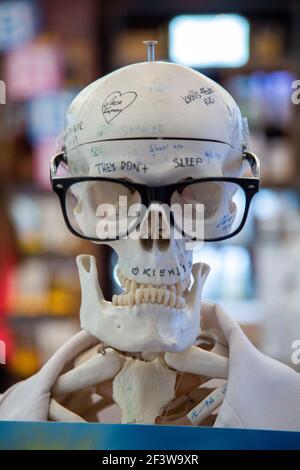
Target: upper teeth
column 135, row 293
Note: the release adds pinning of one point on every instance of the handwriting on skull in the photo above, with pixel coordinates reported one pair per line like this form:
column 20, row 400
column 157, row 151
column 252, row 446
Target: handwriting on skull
column 116, row 102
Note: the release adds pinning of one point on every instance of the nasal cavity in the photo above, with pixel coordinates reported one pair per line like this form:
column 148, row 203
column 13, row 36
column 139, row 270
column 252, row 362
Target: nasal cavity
column 155, row 231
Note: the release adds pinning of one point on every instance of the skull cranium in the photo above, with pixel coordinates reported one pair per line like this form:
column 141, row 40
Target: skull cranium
column 153, row 123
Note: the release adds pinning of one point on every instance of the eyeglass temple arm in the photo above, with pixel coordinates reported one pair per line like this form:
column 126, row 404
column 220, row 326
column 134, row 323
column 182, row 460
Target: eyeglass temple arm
column 55, row 162
column 253, row 161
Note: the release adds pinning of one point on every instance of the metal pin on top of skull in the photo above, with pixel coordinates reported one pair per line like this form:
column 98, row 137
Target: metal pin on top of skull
column 150, row 50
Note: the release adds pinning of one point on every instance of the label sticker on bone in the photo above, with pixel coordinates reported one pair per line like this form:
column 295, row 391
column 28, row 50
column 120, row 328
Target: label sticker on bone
column 116, row 102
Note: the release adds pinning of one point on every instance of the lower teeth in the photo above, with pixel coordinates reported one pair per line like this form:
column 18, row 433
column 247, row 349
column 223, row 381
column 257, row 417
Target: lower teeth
column 150, row 295
column 163, row 297
column 135, row 294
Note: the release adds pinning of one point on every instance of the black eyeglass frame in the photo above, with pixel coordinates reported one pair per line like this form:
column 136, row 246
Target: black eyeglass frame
column 157, row 194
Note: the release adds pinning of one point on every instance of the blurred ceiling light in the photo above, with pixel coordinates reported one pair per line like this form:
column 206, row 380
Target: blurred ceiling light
column 209, row 40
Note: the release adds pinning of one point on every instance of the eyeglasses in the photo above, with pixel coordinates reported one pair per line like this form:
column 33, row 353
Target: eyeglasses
column 97, row 208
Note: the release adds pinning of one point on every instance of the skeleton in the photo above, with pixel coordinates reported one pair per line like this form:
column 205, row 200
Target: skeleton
column 154, row 123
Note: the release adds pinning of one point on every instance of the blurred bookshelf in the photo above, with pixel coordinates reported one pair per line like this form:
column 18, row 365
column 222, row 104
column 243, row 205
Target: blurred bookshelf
column 44, row 65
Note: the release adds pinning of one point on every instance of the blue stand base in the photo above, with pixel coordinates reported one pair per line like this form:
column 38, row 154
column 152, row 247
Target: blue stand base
column 25, row 435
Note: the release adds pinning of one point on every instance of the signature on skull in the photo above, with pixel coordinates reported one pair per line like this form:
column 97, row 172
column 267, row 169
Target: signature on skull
column 116, row 102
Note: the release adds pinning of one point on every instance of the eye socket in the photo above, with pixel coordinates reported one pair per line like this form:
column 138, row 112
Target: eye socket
column 223, row 207
column 90, row 202
column 206, row 193
column 209, row 194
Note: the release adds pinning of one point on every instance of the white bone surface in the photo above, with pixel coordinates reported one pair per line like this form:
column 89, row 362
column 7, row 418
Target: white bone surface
column 57, row 412
column 145, row 327
column 200, row 362
column 142, row 389
column 97, row 369
column 151, row 100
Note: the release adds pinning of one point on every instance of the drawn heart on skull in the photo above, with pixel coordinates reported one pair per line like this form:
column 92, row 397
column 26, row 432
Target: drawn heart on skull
column 115, row 103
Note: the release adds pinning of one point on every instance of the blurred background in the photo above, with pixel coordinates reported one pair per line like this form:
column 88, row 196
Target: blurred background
column 49, row 50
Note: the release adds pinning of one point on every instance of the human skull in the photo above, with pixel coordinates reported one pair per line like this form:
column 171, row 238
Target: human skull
column 154, row 123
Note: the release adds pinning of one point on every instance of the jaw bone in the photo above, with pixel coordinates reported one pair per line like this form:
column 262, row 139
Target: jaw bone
column 145, row 327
